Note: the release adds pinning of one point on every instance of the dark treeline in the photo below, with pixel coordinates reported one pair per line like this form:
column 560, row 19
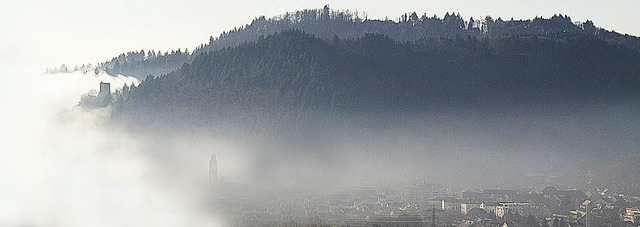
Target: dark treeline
column 328, row 23
column 291, row 77
column 141, row 64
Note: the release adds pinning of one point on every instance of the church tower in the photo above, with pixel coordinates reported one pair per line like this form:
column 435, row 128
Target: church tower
column 213, row 170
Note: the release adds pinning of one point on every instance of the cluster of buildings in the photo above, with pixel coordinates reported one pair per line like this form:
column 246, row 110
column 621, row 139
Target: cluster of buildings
column 548, row 207
column 426, row 204
column 420, row 204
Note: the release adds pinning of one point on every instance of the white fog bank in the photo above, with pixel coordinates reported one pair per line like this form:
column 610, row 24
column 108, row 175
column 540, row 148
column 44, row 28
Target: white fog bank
column 59, row 166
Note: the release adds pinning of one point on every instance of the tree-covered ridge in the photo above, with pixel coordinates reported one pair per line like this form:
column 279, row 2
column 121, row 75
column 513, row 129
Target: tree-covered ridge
column 142, row 64
column 328, row 23
column 292, row 75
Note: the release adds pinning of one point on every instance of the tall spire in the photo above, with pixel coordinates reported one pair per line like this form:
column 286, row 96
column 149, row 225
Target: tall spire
column 213, row 169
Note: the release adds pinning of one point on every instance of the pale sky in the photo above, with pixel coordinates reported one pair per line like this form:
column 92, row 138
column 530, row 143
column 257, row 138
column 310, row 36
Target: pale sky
column 52, row 32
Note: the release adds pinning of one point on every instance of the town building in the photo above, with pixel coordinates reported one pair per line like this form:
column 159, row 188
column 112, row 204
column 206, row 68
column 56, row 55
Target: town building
column 521, row 208
column 489, row 207
column 450, row 204
column 465, row 207
column 632, row 215
column 500, row 195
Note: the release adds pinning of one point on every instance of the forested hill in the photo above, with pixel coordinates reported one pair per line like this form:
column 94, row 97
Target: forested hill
column 293, row 77
column 327, row 23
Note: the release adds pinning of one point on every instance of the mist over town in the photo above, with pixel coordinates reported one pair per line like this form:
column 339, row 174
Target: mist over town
column 328, row 117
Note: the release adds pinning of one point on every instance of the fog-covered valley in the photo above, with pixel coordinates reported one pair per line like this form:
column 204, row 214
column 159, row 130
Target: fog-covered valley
column 323, row 117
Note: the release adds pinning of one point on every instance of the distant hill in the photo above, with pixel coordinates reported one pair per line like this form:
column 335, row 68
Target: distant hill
column 292, row 78
column 328, row 24
column 424, row 91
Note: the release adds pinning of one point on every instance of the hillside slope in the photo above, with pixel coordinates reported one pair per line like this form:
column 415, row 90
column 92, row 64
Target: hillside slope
column 328, row 24
column 290, row 77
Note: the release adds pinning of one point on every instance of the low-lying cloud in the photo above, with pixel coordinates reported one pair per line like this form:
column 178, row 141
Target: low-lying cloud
column 61, row 166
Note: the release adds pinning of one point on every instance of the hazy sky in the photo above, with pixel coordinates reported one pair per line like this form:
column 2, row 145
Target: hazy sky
column 48, row 32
